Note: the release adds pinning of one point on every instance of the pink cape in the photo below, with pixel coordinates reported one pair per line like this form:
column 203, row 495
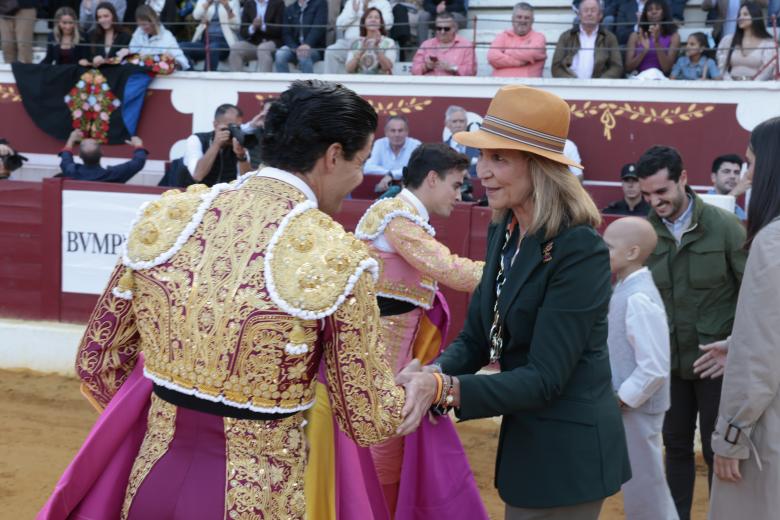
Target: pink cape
column 93, row 486
column 436, row 480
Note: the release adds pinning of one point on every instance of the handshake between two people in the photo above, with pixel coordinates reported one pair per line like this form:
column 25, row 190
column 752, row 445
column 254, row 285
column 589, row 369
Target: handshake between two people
column 421, row 387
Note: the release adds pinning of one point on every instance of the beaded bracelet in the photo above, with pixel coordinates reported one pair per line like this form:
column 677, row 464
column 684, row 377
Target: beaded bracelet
column 445, row 390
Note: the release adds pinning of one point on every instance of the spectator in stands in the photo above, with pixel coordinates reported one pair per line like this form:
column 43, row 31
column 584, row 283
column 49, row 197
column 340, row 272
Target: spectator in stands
column 519, row 52
column 587, row 51
column 724, row 14
column 90, row 153
column 751, row 52
column 351, row 21
column 447, row 54
column 656, row 44
column 697, row 266
column 373, row 52
column 151, row 37
column 216, row 156
column 432, row 9
column 571, row 152
column 626, row 14
column 88, row 12
column 64, row 44
column 165, row 9
column 109, row 39
column 632, row 203
column 17, row 31
column 218, row 29
column 391, row 153
column 696, row 63
column 726, row 170
column 261, row 30
column 772, row 10
column 456, row 120
column 303, row 35
column 256, row 127
column 10, row 160
column 405, row 15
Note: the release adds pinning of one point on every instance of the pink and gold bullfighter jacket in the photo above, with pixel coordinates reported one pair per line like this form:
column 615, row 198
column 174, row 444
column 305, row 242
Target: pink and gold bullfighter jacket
column 411, row 261
column 234, row 294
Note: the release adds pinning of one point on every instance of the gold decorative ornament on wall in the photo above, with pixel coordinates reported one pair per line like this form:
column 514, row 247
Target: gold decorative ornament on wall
column 9, row 94
column 402, row 106
column 609, row 112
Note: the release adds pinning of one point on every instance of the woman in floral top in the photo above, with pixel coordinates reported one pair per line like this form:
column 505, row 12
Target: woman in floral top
column 374, row 52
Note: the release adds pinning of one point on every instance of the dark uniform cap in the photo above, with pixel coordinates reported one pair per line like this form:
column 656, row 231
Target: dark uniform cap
column 628, row 172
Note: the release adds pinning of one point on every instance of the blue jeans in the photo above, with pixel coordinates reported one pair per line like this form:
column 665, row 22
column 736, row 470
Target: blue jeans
column 773, row 9
column 196, row 51
column 678, row 9
column 286, row 55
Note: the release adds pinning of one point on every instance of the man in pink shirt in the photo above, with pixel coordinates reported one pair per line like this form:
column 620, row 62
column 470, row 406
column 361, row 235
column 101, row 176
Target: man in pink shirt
column 521, row 51
column 447, row 54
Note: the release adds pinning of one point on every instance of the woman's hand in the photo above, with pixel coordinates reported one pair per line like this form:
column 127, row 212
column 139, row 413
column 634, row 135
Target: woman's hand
column 655, row 31
column 713, row 363
column 420, row 392
column 644, row 39
column 122, row 53
column 414, row 367
column 98, row 60
column 744, row 184
column 727, row 468
column 84, row 62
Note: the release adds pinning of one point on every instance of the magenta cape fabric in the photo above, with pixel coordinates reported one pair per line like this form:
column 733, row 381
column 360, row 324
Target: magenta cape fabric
column 93, row 486
column 436, row 480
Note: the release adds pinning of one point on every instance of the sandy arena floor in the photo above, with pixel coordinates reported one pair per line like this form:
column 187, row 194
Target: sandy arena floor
column 44, row 421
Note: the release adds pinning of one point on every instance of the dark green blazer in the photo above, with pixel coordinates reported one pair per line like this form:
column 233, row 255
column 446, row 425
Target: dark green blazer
column 562, row 441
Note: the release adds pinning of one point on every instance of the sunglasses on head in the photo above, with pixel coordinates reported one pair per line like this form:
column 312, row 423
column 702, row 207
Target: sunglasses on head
column 443, row 29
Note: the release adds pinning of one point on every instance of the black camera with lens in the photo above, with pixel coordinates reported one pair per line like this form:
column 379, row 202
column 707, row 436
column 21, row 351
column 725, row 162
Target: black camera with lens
column 244, row 139
column 12, row 161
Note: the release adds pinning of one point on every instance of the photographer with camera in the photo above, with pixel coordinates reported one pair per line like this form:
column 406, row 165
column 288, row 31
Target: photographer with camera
column 91, row 152
column 219, row 156
column 9, row 160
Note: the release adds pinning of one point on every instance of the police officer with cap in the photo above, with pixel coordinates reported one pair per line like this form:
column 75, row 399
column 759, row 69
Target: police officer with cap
column 632, row 202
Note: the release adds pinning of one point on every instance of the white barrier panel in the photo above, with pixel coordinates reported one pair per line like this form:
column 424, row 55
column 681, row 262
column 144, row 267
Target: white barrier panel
column 94, row 230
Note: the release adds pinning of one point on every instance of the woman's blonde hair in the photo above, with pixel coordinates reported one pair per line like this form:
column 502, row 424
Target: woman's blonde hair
column 147, row 14
column 559, row 198
column 66, row 11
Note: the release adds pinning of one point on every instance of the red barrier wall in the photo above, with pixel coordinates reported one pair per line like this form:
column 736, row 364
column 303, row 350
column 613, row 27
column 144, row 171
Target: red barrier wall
column 21, row 258
column 30, row 248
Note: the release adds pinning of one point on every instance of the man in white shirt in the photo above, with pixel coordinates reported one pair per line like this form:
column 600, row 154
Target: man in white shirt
column 588, row 50
column 456, row 120
column 391, row 153
column 349, row 22
column 639, row 356
column 215, row 157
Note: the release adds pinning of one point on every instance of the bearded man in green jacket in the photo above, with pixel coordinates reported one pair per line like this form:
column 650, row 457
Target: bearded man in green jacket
column 697, row 267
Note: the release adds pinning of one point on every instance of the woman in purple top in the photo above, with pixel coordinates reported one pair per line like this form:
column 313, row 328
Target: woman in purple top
column 657, row 43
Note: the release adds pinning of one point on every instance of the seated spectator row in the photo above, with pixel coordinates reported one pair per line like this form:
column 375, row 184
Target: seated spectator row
column 275, row 36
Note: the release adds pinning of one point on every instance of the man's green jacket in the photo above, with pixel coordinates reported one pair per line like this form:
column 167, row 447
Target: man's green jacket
column 698, row 280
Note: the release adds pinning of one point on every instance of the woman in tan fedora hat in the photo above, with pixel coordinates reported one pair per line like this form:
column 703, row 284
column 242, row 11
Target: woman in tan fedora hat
column 540, row 312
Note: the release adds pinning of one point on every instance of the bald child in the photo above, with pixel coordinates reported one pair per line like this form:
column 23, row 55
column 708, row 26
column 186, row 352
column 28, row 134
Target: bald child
column 639, row 357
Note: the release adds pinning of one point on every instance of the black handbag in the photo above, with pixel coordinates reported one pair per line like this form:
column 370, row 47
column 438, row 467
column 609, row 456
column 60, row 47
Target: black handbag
column 8, row 7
